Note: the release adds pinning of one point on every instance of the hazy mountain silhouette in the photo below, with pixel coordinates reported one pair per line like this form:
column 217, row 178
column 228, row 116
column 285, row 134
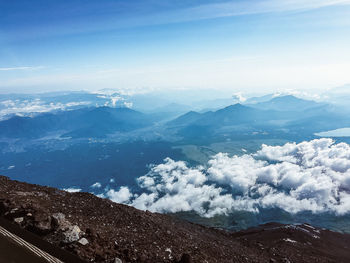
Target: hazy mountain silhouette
column 286, row 103
column 87, row 122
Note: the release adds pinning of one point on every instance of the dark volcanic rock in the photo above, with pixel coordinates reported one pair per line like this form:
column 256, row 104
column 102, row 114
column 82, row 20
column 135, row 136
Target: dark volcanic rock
column 99, row 230
column 186, row 258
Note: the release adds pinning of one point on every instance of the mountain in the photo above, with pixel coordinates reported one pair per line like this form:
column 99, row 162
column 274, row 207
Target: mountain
column 259, row 99
column 232, row 115
column 99, row 230
column 280, row 118
column 168, row 112
column 339, row 96
column 239, row 114
column 172, row 108
column 286, row 103
column 86, row 122
column 214, row 104
column 318, row 119
column 235, row 122
column 101, row 121
column 186, row 119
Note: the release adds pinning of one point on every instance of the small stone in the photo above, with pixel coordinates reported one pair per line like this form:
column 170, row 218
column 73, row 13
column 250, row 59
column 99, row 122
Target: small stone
column 18, row 220
column 118, row 260
column 72, row 234
column 83, row 241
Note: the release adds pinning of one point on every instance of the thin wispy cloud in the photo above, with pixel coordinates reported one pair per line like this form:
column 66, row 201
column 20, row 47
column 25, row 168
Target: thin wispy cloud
column 266, row 6
column 178, row 44
column 111, row 20
column 21, row 68
column 239, row 8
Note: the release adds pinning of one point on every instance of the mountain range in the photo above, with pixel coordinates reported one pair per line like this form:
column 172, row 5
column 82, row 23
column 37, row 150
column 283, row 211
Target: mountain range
column 285, row 112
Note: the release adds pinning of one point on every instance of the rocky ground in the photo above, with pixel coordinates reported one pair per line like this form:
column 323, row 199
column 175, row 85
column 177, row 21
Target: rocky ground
column 99, row 230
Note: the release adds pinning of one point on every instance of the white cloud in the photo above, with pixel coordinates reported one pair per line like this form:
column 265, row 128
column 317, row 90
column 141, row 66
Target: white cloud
column 26, row 107
column 128, row 104
column 309, row 176
column 96, row 185
column 72, row 190
column 121, row 196
column 238, row 96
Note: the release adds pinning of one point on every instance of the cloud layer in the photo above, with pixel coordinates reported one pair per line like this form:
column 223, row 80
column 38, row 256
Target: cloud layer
column 27, row 107
column 309, row 176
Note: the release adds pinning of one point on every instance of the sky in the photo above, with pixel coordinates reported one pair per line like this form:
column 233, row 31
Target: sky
column 239, row 45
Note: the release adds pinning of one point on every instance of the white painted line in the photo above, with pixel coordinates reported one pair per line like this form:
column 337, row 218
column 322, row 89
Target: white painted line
column 29, row 246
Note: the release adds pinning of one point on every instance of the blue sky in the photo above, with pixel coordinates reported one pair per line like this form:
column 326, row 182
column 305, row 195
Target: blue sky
column 244, row 45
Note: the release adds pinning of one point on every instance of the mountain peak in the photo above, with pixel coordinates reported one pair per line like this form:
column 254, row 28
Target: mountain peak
column 286, row 97
column 286, row 103
column 235, row 107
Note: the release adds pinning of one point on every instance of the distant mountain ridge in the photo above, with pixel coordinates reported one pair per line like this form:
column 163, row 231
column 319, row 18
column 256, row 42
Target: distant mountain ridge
column 86, row 122
column 230, row 115
column 286, row 103
column 278, row 116
column 286, row 117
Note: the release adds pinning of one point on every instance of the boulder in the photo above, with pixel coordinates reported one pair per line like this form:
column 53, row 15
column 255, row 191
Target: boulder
column 59, row 221
column 72, row 234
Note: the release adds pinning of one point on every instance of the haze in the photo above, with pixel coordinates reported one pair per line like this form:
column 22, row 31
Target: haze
column 247, row 46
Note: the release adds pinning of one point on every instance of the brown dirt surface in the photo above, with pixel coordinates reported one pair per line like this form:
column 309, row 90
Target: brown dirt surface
column 113, row 230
